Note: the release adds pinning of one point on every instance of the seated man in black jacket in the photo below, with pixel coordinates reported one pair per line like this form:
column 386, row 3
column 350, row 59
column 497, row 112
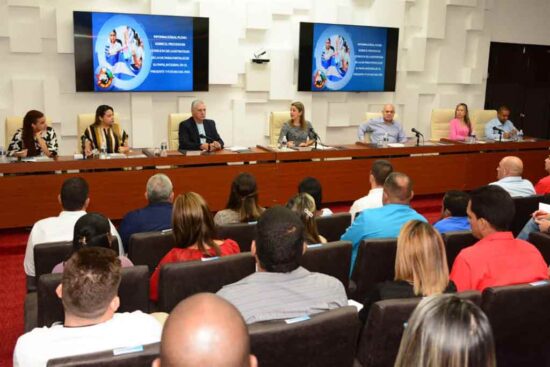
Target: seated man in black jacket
column 198, row 133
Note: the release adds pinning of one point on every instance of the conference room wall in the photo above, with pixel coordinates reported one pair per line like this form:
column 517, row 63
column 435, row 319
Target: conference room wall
column 443, row 52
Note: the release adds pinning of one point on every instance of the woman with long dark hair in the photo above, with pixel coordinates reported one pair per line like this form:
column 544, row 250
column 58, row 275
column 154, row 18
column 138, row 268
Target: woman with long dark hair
column 194, row 234
column 461, row 126
column 34, row 138
column 242, row 205
column 104, row 132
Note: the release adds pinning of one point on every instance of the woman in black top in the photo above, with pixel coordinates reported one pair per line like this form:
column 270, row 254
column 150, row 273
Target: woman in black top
column 420, row 267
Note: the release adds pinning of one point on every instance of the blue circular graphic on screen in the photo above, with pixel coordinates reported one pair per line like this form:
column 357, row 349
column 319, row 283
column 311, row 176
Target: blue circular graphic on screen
column 123, row 54
column 334, row 59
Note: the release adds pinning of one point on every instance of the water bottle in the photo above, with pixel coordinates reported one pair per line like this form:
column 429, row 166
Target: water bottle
column 385, row 140
column 283, row 143
column 2, row 155
column 163, row 149
column 473, row 138
column 520, row 135
column 103, row 151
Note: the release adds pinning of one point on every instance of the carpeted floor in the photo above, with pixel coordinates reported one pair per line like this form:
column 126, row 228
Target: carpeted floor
column 12, row 282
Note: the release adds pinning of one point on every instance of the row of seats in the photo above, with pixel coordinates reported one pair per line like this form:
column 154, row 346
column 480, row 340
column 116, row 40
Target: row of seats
column 518, row 315
column 181, row 280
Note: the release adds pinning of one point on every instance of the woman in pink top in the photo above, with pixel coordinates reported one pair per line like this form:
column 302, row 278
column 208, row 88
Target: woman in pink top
column 461, row 126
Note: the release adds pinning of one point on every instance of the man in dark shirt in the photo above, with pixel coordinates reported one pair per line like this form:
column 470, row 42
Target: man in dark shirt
column 156, row 216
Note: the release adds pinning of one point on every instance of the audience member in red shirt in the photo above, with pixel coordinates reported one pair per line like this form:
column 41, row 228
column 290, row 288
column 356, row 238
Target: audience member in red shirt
column 193, row 229
column 543, row 186
column 497, row 259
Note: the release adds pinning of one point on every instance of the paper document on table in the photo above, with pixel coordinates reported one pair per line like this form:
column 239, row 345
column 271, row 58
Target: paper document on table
column 544, row 207
column 396, row 145
column 236, row 148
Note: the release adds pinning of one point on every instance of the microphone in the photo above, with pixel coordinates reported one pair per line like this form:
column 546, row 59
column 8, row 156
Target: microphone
column 208, row 138
column 416, row 132
column 496, row 128
column 315, row 136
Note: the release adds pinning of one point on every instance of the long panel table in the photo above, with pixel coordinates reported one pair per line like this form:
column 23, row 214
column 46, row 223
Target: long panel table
column 29, row 190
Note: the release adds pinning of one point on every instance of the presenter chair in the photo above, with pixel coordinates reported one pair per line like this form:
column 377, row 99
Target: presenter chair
column 374, row 115
column 12, row 124
column 174, row 120
column 479, row 119
column 83, row 121
column 276, row 121
column 439, row 122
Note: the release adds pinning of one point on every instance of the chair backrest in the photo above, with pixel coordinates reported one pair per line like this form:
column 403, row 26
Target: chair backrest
column 332, row 227
column 455, row 242
column 242, row 233
column 133, row 293
column 326, row 339
column 83, row 120
column 181, row 280
column 276, row 121
column 148, row 248
column 439, row 122
column 542, row 242
column 374, row 115
column 109, row 359
column 332, row 258
column 12, row 124
column 375, row 263
column 525, row 206
column 519, row 318
column 48, row 255
column 479, row 119
column 380, row 339
column 174, row 120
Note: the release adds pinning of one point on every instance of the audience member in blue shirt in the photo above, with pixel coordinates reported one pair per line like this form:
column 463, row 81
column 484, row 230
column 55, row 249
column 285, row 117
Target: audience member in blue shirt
column 385, row 221
column 501, row 122
column 453, row 216
column 154, row 217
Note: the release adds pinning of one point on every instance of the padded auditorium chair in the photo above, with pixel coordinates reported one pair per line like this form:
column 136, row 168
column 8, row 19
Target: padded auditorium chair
column 439, row 122
column 242, row 233
column 133, row 293
column 380, row 338
column 276, row 122
column 520, row 319
column 109, row 359
column 148, row 248
column 332, row 227
column 174, row 120
column 331, row 258
column 48, row 255
column 178, row 281
column 524, row 208
column 454, row 243
column 375, row 263
column 325, row 339
column 479, row 119
column 542, row 242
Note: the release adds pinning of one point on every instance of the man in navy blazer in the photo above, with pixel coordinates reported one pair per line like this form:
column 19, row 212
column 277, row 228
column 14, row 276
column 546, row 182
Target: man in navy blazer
column 198, row 133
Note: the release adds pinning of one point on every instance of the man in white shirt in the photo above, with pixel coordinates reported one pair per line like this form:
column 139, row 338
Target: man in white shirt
column 88, row 291
column 74, row 200
column 509, row 173
column 380, row 169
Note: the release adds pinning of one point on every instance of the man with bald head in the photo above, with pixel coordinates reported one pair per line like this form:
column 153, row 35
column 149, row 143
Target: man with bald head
column 385, row 221
column 205, row 330
column 509, row 173
column 383, row 126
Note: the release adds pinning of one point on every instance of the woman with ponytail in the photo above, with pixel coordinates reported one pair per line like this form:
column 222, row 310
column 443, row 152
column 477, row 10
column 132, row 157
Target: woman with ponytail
column 93, row 230
column 304, row 205
column 242, row 206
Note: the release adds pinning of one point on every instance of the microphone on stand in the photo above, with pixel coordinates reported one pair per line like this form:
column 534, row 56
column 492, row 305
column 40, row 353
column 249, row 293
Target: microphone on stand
column 418, row 135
